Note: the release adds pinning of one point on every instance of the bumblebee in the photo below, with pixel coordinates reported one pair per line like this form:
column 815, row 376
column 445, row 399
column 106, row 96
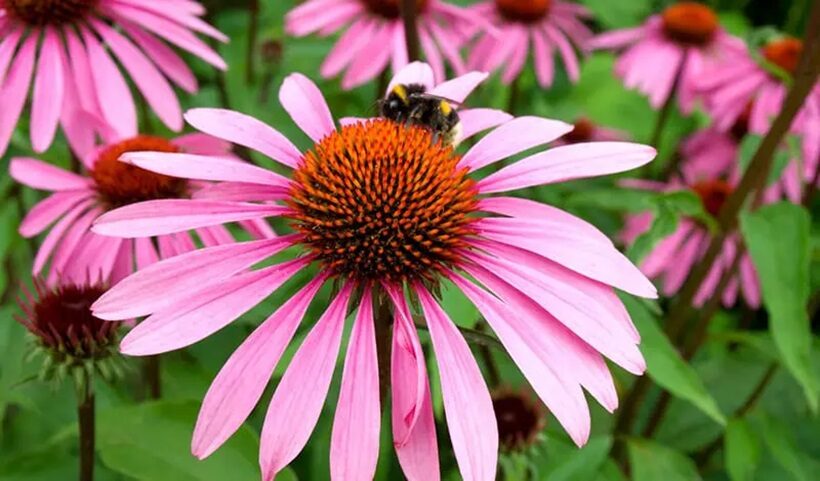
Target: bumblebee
column 411, row 104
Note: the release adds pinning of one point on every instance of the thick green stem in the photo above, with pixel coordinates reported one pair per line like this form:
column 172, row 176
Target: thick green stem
column 85, row 419
column 384, row 330
column 409, row 15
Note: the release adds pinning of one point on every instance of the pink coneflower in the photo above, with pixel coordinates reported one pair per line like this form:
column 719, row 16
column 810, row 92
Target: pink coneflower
column 682, row 45
column 673, row 258
column 548, row 24
column 374, row 35
column 76, row 252
column 748, row 87
column 387, row 214
column 77, row 81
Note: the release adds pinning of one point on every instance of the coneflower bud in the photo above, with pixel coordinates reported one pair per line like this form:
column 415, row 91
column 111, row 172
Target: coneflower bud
column 72, row 342
column 520, row 417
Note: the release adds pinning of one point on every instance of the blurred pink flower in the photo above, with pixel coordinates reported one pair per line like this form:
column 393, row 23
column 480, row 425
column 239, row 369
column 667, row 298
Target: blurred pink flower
column 584, row 130
column 686, row 34
column 745, row 88
column 548, row 24
column 77, row 83
column 711, row 171
column 374, row 35
column 79, row 255
column 386, row 213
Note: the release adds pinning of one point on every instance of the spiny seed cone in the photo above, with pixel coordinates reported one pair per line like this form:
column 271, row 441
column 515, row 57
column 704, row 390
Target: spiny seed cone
column 383, row 201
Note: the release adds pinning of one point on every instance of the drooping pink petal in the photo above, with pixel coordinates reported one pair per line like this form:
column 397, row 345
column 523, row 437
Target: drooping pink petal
column 153, row 287
column 347, row 47
column 473, row 431
column 414, row 428
column 205, row 167
column 245, row 130
column 49, row 210
column 242, row 380
column 165, row 58
column 14, row 91
column 47, row 98
column 515, row 136
column 206, row 311
column 305, row 104
column 563, row 397
column 69, row 231
column 298, row 399
column 354, row 445
column 568, row 162
column 167, row 216
column 55, row 234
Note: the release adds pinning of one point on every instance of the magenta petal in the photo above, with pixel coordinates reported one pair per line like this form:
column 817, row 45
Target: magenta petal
column 41, row 175
column 154, row 287
column 354, row 446
column 414, row 429
column 242, row 380
column 205, row 311
column 245, row 130
column 515, row 136
column 298, row 399
column 167, row 216
column 568, row 162
column 47, row 99
column 473, row 431
column 303, row 100
column 205, row 167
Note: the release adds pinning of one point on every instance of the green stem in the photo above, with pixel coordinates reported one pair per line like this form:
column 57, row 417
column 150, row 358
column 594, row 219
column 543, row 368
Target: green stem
column 384, row 330
column 85, row 419
column 409, row 14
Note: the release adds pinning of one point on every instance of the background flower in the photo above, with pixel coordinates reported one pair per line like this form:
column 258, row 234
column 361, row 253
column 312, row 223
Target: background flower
column 77, row 81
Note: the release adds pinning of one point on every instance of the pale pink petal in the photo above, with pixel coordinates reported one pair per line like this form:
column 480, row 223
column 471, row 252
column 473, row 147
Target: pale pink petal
column 245, row 130
column 474, row 121
column 303, row 100
column 617, row 38
column 7, row 48
column 371, row 59
column 47, row 98
column 459, row 88
column 418, row 73
column 544, row 63
column 568, row 162
column 155, row 286
column 241, row 192
column 511, row 138
column 298, row 399
column 66, row 223
column 14, row 92
column 205, row 311
column 473, row 431
column 347, row 47
column 49, row 210
column 242, row 380
column 40, row 175
column 165, row 58
column 205, row 167
column 566, row 50
column 166, row 216
column 75, row 230
column 354, row 445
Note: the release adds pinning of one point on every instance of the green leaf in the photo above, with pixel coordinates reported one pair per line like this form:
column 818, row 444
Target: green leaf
column 619, row 14
column 151, row 442
column 742, row 450
column 654, row 462
column 582, row 464
column 665, row 365
column 783, row 447
column 664, row 224
column 777, row 237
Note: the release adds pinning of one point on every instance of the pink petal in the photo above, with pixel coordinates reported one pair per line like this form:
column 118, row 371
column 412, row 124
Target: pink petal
column 544, row 63
column 14, row 92
column 47, row 99
column 474, row 121
column 242, row 380
column 413, row 73
column 205, row 167
column 414, row 429
column 155, row 286
column 67, row 223
column 473, row 431
column 580, row 253
column 49, row 210
column 40, row 175
column 245, row 130
column 459, row 88
column 563, row 397
column 165, row 58
column 156, row 90
column 305, row 104
column 241, row 192
column 515, row 136
column 297, row 402
column 205, row 311
column 568, row 162
column 167, row 216
column 354, row 445
column 347, row 47
column 371, row 59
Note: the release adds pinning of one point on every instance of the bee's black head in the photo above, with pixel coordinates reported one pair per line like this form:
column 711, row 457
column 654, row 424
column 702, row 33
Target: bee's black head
column 397, row 104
